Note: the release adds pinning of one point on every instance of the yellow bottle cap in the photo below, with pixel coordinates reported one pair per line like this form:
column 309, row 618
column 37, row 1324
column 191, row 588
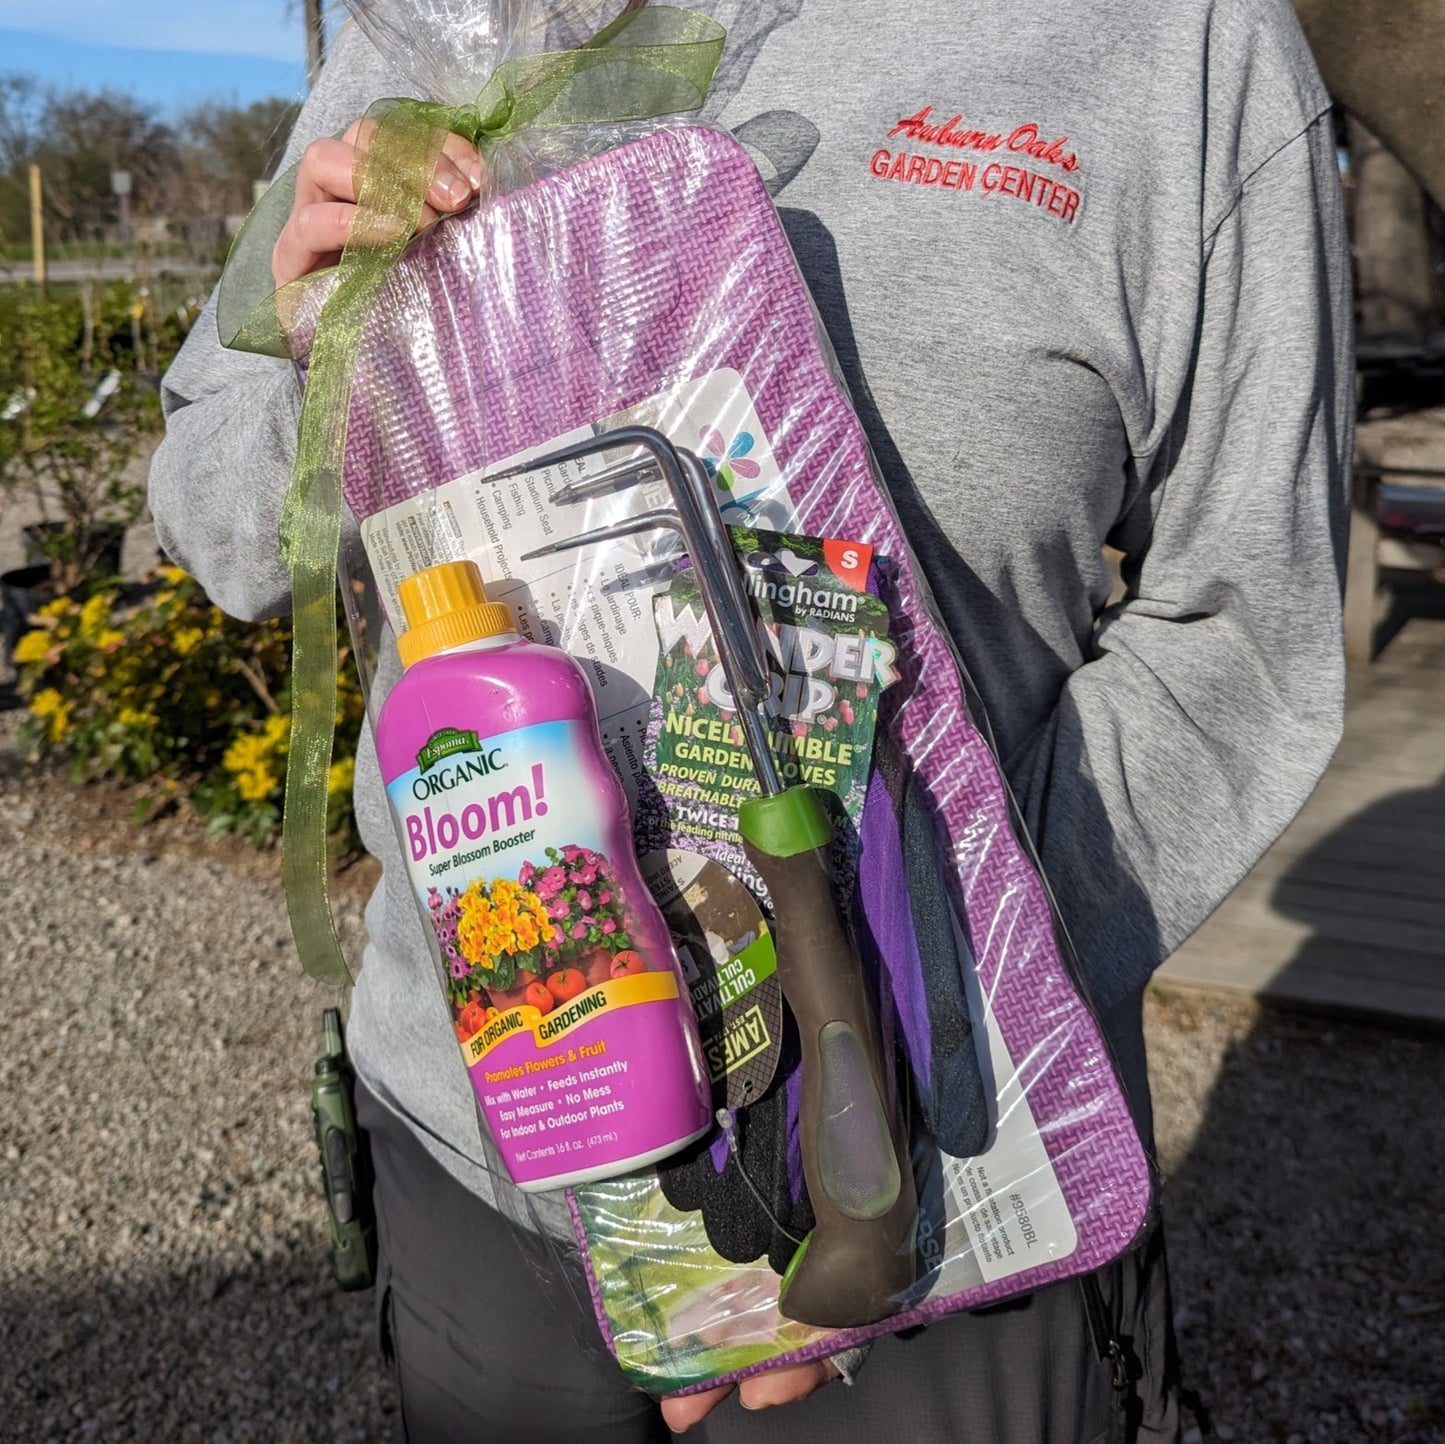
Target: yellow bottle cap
column 446, row 606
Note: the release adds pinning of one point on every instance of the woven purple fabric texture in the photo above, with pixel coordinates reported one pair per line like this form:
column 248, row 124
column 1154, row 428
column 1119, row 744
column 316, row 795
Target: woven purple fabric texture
column 626, row 274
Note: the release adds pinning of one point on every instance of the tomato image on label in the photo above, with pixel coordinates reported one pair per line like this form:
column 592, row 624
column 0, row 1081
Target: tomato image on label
column 471, row 1018
column 537, row 996
column 626, row 963
column 565, row 984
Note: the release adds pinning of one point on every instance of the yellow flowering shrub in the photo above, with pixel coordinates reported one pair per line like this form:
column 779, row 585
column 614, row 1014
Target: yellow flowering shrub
column 158, row 686
column 32, row 647
column 52, row 711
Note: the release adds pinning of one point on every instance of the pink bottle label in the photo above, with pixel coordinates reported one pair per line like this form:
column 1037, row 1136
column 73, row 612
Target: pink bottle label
column 560, row 974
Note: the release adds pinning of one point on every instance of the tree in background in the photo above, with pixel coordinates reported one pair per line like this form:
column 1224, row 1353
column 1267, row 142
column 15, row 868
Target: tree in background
column 195, row 172
column 85, row 139
column 228, row 148
column 1395, row 244
column 20, row 105
column 21, row 102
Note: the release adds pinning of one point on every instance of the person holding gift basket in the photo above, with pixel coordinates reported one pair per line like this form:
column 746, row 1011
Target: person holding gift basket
column 1084, row 274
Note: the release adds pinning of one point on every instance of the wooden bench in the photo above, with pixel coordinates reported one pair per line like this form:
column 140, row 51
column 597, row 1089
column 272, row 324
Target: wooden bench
column 1397, row 521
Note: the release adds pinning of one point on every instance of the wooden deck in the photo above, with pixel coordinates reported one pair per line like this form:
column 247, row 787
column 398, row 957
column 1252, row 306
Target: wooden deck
column 1347, row 910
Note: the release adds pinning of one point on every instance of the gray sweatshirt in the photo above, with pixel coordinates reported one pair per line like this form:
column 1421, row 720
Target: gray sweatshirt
column 1084, row 267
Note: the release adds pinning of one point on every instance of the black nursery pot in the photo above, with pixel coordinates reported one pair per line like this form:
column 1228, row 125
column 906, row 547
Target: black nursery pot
column 22, row 592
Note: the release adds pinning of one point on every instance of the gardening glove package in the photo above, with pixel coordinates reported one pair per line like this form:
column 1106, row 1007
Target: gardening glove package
column 606, row 386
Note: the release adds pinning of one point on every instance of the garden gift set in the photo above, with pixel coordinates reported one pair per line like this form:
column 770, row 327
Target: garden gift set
column 522, row 388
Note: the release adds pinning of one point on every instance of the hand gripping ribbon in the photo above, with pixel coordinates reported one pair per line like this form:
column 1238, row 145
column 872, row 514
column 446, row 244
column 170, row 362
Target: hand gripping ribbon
column 649, row 63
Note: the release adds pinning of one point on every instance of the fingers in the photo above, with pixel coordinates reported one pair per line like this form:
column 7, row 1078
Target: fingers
column 313, row 237
column 762, row 1391
column 359, row 132
column 324, row 211
column 327, row 172
column 784, row 1386
column 458, row 176
column 681, row 1414
column 466, row 158
column 322, row 229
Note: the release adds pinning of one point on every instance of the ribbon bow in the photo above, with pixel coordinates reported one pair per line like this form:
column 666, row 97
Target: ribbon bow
column 649, row 63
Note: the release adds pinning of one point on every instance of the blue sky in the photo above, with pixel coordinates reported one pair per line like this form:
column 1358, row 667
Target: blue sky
column 158, row 50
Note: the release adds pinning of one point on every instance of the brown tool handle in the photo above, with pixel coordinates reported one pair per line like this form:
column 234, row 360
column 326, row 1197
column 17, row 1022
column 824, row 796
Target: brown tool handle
column 857, row 1264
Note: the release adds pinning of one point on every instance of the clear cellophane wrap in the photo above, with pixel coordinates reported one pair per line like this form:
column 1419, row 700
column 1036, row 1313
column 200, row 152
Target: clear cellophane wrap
column 636, row 273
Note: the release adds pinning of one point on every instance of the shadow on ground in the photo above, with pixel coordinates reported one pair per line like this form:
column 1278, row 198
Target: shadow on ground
column 272, row 1353
column 163, row 1269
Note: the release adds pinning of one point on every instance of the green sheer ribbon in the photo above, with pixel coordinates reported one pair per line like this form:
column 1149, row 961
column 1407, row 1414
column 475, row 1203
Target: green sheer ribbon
column 650, row 63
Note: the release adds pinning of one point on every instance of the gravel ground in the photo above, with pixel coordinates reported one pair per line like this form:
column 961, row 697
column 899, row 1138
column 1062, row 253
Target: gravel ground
column 162, row 1256
column 1304, row 1161
column 163, row 1270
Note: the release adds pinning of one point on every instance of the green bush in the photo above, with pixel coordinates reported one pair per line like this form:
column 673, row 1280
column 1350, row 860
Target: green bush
column 76, row 410
column 169, row 692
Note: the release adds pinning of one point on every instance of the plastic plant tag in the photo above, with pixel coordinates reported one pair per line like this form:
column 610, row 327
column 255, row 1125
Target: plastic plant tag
column 730, row 967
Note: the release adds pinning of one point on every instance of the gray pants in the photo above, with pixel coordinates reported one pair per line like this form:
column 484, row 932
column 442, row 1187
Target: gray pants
column 481, row 1353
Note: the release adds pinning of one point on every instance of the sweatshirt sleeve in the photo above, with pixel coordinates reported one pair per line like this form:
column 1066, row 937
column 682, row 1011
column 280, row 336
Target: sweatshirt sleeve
column 219, row 475
column 1214, row 697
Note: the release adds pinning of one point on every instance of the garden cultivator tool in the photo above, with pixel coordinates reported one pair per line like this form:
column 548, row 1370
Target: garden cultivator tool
column 858, row 1262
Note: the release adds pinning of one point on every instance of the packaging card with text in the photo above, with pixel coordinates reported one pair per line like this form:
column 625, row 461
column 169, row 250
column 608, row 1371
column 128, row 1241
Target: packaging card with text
column 826, row 640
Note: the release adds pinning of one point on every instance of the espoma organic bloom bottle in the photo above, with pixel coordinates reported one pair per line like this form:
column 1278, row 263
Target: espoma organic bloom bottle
column 565, row 991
